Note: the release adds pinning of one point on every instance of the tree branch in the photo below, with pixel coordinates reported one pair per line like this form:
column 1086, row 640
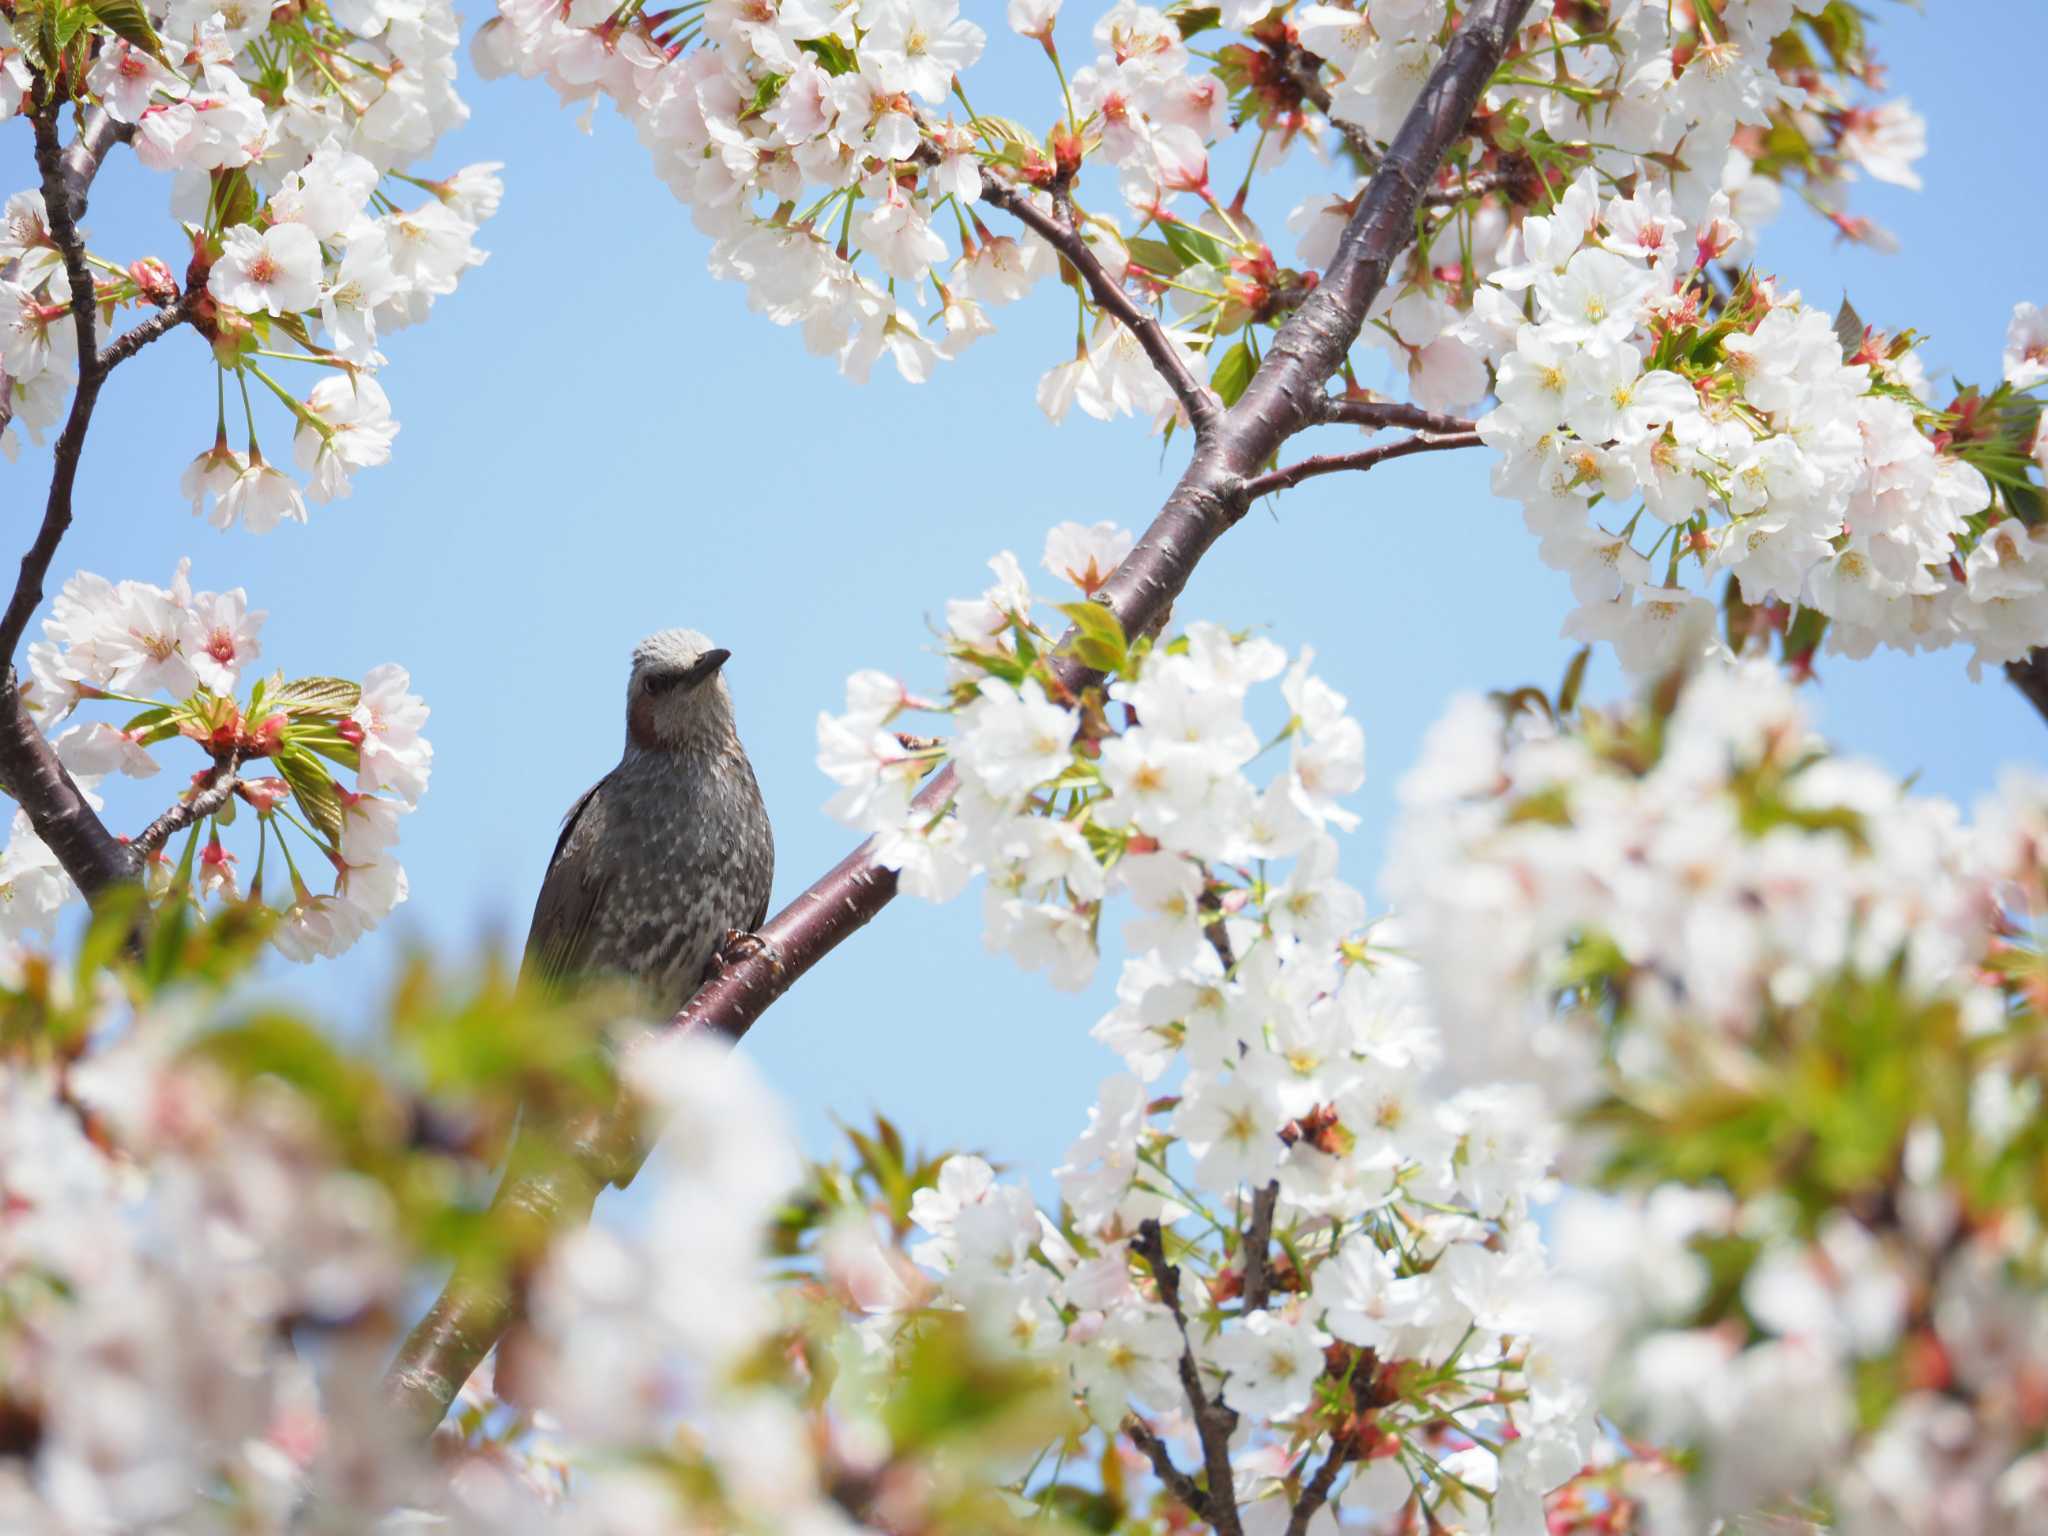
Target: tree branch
column 1177, row 1482
column 553, row 1176
column 1366, row 458
column 60, row 814
column 1214, row 1421
column 85, row 154
column 1317, row 1493
column 1305, row 70
column 57, row 808
column 1203, row 408
column 1284, row 396
column 136, row 337
column 1358, row 411
column 1258, row 1240
column 2030, row 676
column 209, row 797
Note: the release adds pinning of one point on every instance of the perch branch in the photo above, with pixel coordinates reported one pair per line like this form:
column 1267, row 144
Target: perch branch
column 1284, row 396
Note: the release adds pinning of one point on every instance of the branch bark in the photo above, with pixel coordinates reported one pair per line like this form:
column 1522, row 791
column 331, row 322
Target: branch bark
column 1215, row 1422
column 1317, row 1493
column 2030, row 676
column 1203, row 408
column 1358, row 411
column 553, row 1176
column 58, row 811
column 1364, row 458
column 1258, row 1243
column 1286, row 395
column 208, row 797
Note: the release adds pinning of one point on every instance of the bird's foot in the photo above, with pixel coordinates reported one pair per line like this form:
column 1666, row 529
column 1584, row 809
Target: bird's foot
column 739, row 946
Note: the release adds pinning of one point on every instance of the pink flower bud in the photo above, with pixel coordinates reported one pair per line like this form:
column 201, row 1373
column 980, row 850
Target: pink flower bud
column 154, row 280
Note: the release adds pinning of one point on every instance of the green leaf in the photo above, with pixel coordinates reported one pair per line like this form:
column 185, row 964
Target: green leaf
column 156, row 714
column 830, row 53
column 1195, row 19
column 318, row 697
column 1099, row 642
column 71, row 20
column 1233, row 373
column 1804, row 635
column 765, row 93
column 126, row 19
column 1195, row 247
column 327, row 744
column 234, row 199
column 313, row 789
column 1849, row 328
column 1155, row 255
column 1574, row 679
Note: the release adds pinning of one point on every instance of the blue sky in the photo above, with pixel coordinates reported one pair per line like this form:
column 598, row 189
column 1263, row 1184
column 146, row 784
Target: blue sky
column 600, row 441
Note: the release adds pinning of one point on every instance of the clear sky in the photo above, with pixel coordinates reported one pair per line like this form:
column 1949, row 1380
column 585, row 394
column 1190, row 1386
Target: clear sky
column 600, row 441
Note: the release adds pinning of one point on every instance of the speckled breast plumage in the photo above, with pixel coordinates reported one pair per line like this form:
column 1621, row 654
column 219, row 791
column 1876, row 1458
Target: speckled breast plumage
column 668, row 853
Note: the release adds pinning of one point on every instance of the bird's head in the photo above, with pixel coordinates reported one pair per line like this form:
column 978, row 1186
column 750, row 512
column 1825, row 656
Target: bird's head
column 676, row 699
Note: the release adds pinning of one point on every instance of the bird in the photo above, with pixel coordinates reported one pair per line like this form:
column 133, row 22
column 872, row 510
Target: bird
column 663, row 866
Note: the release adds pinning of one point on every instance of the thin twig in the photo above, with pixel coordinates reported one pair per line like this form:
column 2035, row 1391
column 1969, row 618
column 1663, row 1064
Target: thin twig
column 1305, row 70
column 136, row 337
column 1203, row 408
column 214, row 793
column 1258, row 1241
column 1477, row 184
column 1317, row 1493
column 1356, row 410
column 1365, row 458
column 1177, row 1482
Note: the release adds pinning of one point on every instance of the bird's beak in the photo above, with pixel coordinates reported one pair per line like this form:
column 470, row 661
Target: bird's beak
column 705, row 667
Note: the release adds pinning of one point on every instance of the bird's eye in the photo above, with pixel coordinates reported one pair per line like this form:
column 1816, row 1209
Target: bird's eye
column 647, row 684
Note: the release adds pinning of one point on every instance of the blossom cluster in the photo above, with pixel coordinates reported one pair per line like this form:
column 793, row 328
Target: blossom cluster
column 288, row 137
column 176, row 658
column 1790, row 1012
column 1271, row 1201
column 807, row 139
column 134, row 1372
column 230, row 1380
column 1649, row 422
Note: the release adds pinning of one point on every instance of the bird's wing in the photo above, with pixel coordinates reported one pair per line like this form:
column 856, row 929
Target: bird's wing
column 570, row 892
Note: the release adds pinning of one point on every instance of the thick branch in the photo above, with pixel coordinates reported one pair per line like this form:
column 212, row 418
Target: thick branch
column 62, row 818
column 2030, row 676
column 552, row 1180
column 1366, row 458
column 56, row 807
column 84, row 155
column 1287, row 388
column 1203, row 408
column 1285, row 396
